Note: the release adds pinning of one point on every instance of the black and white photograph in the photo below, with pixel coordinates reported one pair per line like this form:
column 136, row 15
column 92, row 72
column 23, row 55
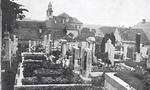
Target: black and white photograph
column 75, row 44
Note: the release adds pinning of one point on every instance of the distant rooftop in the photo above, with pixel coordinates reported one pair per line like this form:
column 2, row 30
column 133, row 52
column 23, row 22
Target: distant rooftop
column 145, row 25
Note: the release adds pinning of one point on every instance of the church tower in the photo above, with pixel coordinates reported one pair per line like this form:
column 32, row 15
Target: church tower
column 49, row 11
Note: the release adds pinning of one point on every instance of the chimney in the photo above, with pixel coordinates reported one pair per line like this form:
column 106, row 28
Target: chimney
column 143, row 21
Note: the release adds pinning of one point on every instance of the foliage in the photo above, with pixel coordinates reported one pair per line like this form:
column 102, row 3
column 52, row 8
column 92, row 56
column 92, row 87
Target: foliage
column 132, row 78
column 84, row 34
column 112, row 38
column 104, row 40
column 97, row 51
column 104, row 55
column 98, row 81
column 11, row 11
column 30, row 81
column 48, row 72
column 35, row 57
column 65, row 30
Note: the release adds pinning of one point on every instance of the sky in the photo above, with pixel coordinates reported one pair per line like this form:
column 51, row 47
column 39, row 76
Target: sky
column 99, row 12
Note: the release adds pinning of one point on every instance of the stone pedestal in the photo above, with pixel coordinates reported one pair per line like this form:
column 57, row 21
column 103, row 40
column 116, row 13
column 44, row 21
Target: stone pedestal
column 64, row 47
column 138, row 57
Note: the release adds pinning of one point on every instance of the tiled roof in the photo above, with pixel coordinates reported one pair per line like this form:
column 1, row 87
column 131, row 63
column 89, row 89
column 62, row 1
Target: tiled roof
column 55, row 29
column 130, row 35
column 127, row 34
column 145, row 26
column 51, row 24
column 74, row 20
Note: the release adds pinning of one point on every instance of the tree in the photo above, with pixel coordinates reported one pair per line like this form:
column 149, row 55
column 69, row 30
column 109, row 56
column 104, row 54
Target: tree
column 93, row 30
column 65, row 30
column 112, row 38
column 11, row 12
column 104, row 40
column 85, row 30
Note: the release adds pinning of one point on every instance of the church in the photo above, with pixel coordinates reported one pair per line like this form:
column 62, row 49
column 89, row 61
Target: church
column 58, row 26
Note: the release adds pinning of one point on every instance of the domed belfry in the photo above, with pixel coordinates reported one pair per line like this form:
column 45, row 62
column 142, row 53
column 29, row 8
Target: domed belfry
column 49, row 11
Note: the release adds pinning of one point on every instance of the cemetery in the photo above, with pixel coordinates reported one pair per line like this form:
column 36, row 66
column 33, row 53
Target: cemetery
column 40, row 70
column 73, row 65
column 61, row 53
column 55, row 57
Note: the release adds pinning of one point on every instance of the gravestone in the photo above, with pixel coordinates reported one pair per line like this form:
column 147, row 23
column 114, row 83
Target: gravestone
column 148, row 60
column 125, row 51
column 64, row 47
column 45, row 41
column 91, row 43
column 15, row 44
column 111, row 51
column 49, row 43
column 75, row 55
column 86, row 64
column 29, row 45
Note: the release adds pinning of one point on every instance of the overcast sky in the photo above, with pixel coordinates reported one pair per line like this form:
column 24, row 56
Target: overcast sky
column 101, row 12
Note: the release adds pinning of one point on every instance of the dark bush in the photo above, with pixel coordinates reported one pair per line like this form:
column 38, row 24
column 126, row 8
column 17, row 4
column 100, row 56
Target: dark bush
column 30, row 81
column 47, row 80
column 35, row 57
column 48, row 72
column 132, row 78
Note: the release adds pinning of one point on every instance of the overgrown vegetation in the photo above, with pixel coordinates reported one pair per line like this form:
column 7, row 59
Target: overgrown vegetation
column 11, row 12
